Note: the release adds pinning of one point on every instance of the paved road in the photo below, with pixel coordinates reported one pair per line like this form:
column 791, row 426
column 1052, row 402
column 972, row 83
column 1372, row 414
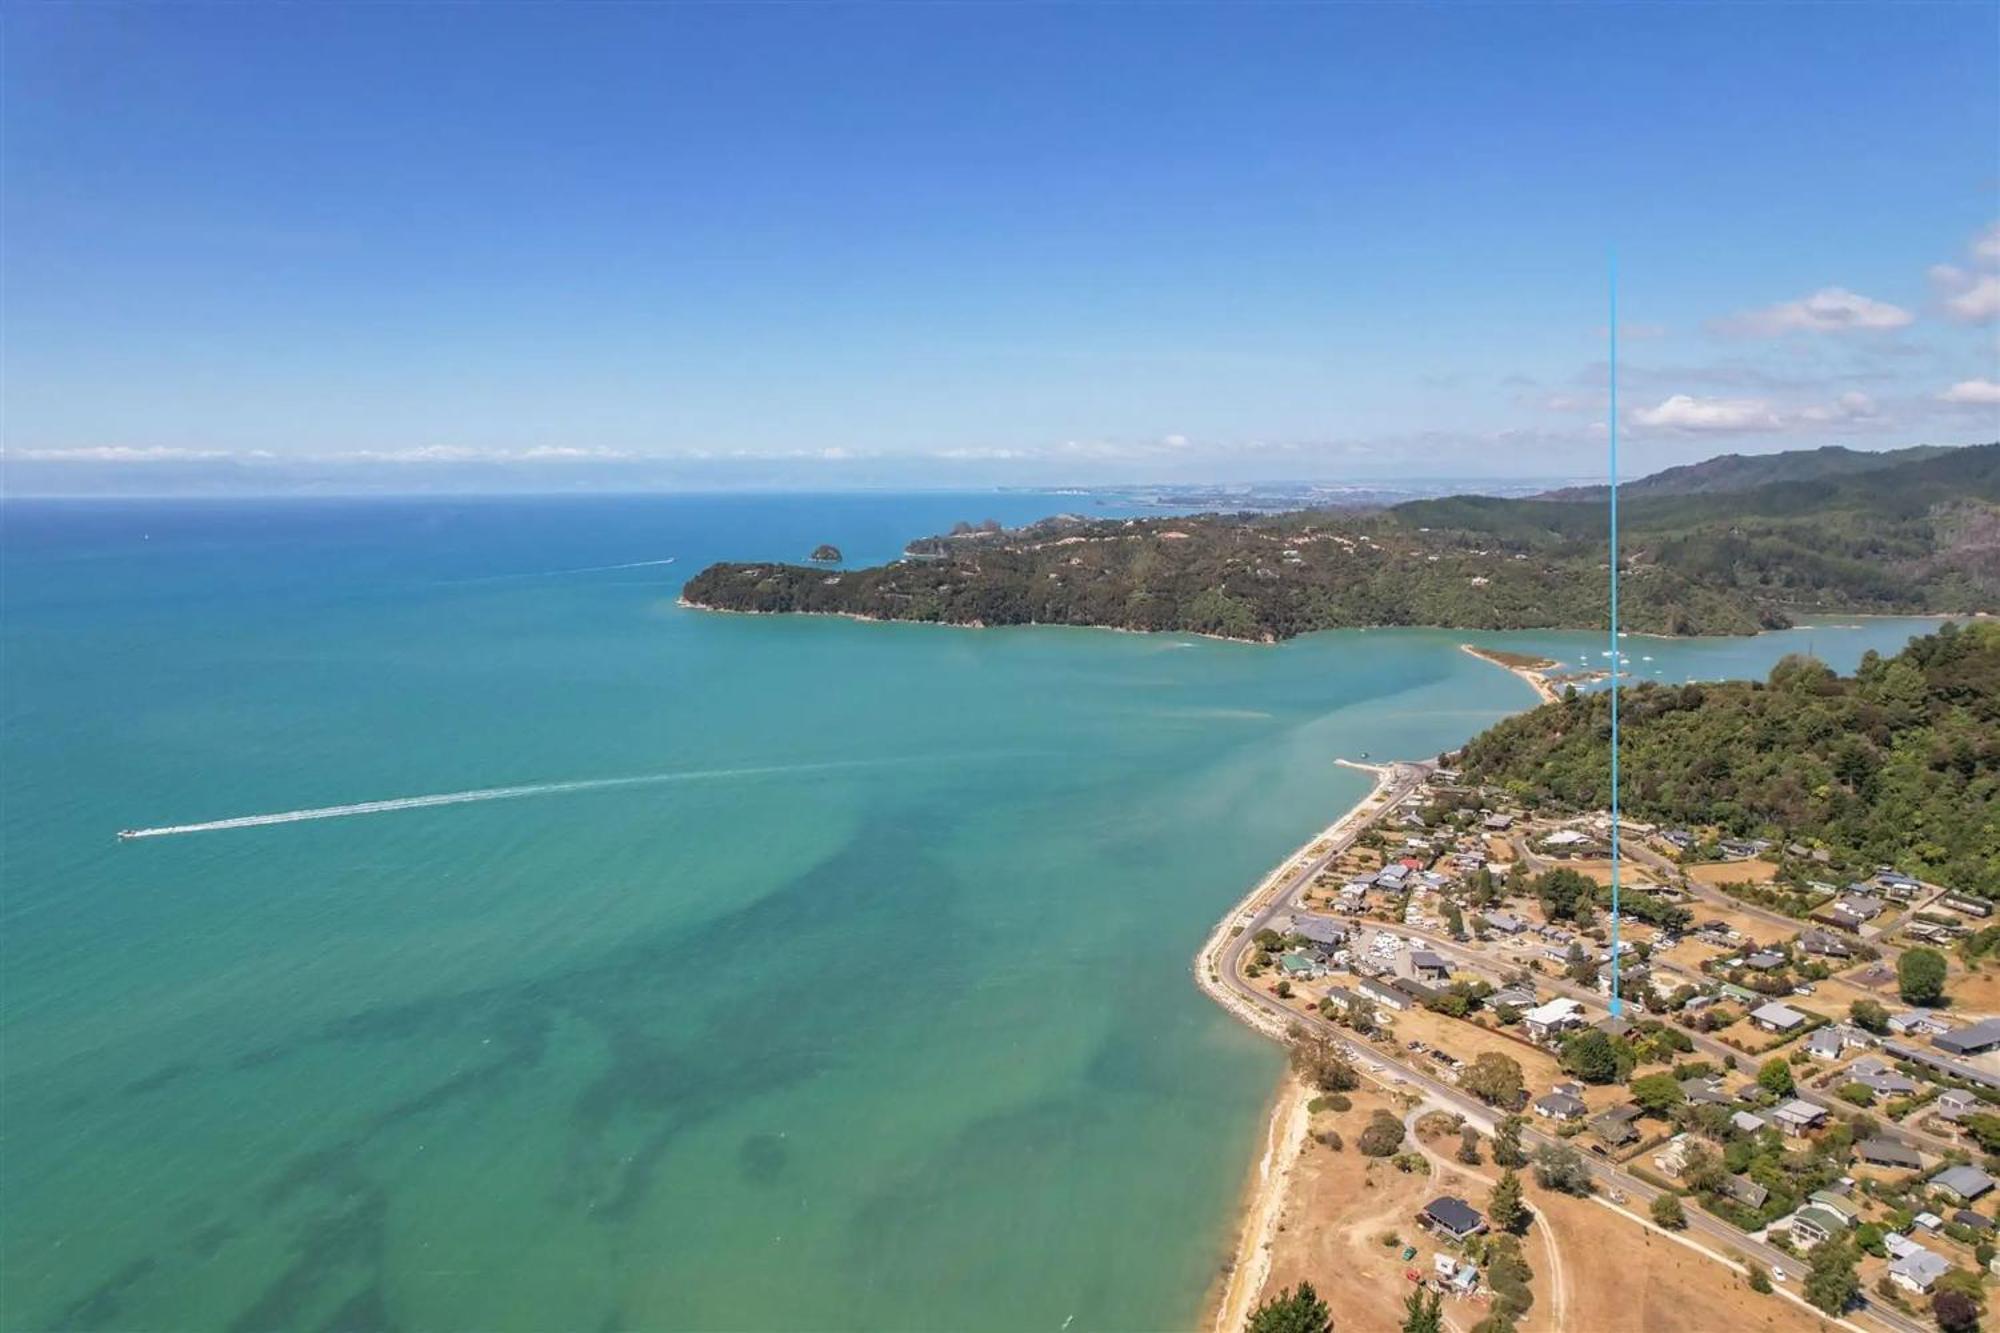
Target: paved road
column 1390, row 1069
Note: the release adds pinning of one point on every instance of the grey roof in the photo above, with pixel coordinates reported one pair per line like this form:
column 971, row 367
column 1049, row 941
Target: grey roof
column 1320, row 929
column 1426, row 959
column 1981, row 1036
column 1921, row 1266
column 1777, row 1015
column 1745, row 1190
column 1561, row 1104
column 1885, row 1151
column 1453, row 1214
column 1967, row 1182
column 1797, row 1109
column 1764, row 960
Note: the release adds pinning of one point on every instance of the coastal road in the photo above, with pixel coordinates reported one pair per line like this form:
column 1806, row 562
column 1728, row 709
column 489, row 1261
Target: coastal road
column 1389, row 1069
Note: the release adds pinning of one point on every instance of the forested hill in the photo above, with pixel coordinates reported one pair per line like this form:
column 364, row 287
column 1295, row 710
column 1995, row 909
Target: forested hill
column 1742, row 472
column 1917, row 536
column 1898, row 764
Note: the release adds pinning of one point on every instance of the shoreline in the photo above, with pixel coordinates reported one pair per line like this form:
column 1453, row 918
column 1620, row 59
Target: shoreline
column 1268, row 1188
column 1537, row 677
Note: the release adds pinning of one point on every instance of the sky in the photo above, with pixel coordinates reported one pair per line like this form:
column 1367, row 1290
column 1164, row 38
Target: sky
column 610, row 246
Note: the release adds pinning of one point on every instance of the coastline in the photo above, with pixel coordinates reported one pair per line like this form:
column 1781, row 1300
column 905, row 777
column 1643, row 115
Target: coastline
column 1537, row 677
column 1268, row 1189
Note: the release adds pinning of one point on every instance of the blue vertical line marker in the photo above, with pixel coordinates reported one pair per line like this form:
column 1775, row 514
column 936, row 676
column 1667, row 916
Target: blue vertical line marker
column 1617, row 654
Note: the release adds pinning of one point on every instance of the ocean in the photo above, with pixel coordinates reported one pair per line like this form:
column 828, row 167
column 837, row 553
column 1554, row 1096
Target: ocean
column 745, row 973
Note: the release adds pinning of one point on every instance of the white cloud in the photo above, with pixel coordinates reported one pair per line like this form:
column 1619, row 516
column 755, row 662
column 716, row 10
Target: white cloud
column 120, row 453
column 1969, row 298
column 1708, row 415
column 1987, row 247
column 1829, row 310
column 1852, row 407
column 1972, row 393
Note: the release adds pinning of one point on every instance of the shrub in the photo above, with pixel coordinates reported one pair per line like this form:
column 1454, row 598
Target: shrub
column 1382, row 1136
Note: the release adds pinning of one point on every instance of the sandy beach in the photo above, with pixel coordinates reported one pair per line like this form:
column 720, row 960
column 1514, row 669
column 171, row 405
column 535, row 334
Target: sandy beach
column 1531, row 669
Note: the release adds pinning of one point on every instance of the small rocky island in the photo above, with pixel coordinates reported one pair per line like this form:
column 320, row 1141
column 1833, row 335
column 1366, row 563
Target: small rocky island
column 826, row 554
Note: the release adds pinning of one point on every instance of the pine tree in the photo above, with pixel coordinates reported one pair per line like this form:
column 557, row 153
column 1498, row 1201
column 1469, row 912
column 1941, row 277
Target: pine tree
column 1507, row 1143
column 1295, row 1310
column 1422, row 1316
column 1505, row 1206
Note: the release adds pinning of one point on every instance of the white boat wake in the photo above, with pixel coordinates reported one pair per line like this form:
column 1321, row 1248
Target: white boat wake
column 493, row 794
column 557, row 573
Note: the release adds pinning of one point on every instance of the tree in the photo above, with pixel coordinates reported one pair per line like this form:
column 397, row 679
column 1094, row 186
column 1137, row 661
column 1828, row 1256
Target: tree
column 1776, row 1078
column 1421, row 1315
column 1869, row 1015
column 1495, row 1079
column 1295, row 1310
column 1319, row 1062
column 1561, row 1167
column 1505, row 1206
column 1468, row 1146
column 1561, row 891
column 1760, row 1279
column 1454, row 920
column 1667, row 1212
column 1507, row 1143
column 1831, row 1282
column 1954, row 1311
column 1920, row 976
column 1594, row 1057
column 1382, row 1135
column 1657, row 1093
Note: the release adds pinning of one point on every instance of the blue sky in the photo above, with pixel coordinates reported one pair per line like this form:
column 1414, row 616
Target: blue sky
column 606, row 245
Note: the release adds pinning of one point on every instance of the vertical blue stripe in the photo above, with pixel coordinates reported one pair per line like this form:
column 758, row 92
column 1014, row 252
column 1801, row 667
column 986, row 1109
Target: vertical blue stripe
column 1617, row 654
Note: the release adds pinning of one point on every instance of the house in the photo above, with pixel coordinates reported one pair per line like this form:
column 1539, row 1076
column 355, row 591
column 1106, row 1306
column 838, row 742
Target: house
column 1340, row 998
column 1765, row 960
column 1953, row 1103
column 1858, row 907
column 1775, row 1017
column 1559, row 1106
column 1514, row 997
column 1423, row 965
column 1324, row 934
column 1818, row 940
column 1614, row 1127
column 1959, row 902
column 1497, row 823
column 1916, row 1021
column 1738, row 993
column 1568, row 837
column 1544, row 1021
column 1452, row 1217
column 1746, row 1191
column 1816, row 1223
column 1747, row 1123
column 1825, row 1044
column 1872, row 1073
column 1978, row 1039
column 1673, row 1158
column 1965, row 1217
column 1882, row 1151
column 1927, row 1222
column 1299, row 965
column 1963, row 1183
column 1386, row 996
column 1709, row 1090
column 1918, row 1271
column 1798, row 1118
column 1504, row 922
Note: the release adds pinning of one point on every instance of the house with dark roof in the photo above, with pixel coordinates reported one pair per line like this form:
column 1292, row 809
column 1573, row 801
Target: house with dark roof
column 1452, row 1217
column 1615, row 1127
column 1559, row 1106
column 1746, row 1191
column 1977, row 1039
column 1798, row 1118
column 1884, row 1151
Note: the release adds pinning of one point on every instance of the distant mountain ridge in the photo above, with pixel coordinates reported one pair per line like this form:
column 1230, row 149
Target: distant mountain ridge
column 1742, row 472
column 1920, row 534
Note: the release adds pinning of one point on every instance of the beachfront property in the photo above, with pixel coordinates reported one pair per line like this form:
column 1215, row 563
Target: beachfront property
column 1389, row 997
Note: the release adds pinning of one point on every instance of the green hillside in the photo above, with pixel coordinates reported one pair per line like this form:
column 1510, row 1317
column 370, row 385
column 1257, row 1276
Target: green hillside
column 1898, row 764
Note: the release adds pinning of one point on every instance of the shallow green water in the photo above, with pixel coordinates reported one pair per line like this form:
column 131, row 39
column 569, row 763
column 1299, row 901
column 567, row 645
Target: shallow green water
column 896, row 1031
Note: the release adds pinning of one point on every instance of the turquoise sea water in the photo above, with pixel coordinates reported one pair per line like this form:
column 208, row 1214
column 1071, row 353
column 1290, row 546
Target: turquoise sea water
column 872, row 1012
